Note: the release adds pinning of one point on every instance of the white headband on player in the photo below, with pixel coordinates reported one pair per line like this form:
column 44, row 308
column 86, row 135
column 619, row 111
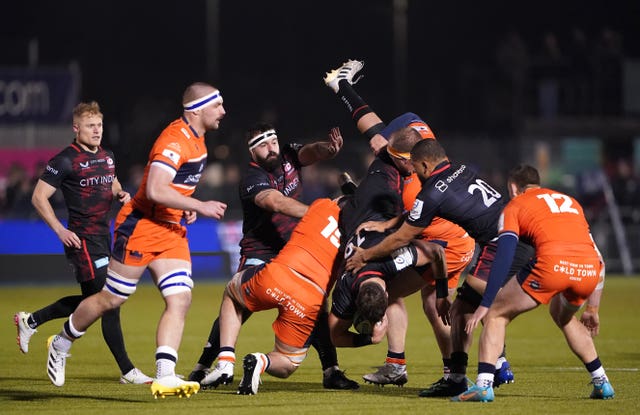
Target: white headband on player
column 257, row 140
column 205, row 101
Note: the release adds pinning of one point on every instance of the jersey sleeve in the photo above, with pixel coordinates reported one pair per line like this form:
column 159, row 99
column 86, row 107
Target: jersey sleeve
column 56, row 170
column 422, row 212
column 167, row 154
column 509, row 219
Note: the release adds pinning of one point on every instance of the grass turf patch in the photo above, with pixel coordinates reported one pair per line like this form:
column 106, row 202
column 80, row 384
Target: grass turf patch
column 549, row 378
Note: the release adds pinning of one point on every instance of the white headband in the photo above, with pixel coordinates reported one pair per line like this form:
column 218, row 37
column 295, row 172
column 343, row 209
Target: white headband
column 257, row 140
column 205, row 101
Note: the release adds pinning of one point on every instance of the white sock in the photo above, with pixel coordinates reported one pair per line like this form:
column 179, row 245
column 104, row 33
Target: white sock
column 166, row 366
column 484, row 380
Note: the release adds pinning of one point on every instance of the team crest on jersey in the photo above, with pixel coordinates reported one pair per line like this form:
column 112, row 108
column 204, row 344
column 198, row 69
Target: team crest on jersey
column 109, row 161
column 416, row 210
column 175, row 146
column 287, row 167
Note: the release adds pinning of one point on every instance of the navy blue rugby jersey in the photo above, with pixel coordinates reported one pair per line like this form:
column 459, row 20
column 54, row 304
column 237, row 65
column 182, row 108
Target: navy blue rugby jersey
column 377, row 198
column 85, row 179
column 458, row 194
column 264, row 232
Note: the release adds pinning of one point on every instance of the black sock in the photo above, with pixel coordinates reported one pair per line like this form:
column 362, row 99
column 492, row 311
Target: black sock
column 593, row 365
column 212, row 349
column 321, row 341
column 446, row 365
column 459, row 362
column 112, row 333
column 60, row 309
column 354, row 103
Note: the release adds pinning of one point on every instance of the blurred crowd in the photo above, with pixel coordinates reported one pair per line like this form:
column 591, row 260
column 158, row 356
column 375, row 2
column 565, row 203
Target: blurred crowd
column 219, row 182
column 568, row 74
column 555, row 75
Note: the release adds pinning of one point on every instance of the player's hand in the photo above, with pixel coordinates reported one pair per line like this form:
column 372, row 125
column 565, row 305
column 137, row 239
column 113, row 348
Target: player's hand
column 212, row 209
column 377, row 143
column 190, row 216
column 591, row 321
column 379, row 330
column 123, row 197
column 69, row 239
column 371, row 226
column 335, row 141
column 475, row 319
column 356, row 261
column 443, row 307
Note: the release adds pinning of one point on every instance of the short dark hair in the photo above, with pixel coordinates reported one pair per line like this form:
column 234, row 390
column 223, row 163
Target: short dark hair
column 524, row 175
column 428, row 150
column 371, row 302
column 258, row 128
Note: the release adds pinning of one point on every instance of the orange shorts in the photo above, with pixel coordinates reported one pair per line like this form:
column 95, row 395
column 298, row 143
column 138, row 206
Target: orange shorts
column 459, row 253
column 138, row 240
column 299, row 301
column 574, row 277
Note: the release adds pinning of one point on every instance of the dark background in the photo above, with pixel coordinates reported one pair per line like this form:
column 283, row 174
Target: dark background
column 136, row 57
column 268, row 59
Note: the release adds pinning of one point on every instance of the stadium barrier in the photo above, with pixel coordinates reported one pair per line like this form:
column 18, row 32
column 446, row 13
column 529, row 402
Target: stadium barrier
column 30, row 253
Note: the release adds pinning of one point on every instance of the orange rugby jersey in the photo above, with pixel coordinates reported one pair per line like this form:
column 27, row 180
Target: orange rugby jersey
column 552, row 221
column 314, row 243
column 180, row 151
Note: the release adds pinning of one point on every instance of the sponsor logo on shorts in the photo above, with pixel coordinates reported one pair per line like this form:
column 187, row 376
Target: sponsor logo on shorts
column 535, row 285
column 101, row 262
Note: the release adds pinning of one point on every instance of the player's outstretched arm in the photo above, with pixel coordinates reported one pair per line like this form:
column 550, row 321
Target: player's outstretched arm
column 321, row 150
column 273, row 201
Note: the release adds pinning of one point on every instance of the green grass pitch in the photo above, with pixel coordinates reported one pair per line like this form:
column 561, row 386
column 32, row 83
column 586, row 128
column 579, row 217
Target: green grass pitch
column 549, row 379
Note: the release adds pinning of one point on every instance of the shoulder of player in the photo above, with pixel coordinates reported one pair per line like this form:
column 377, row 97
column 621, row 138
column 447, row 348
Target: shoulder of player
column 177, row 131
column 65, row 157
column 253, row 182
column 253, row 172
column 173, row 140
